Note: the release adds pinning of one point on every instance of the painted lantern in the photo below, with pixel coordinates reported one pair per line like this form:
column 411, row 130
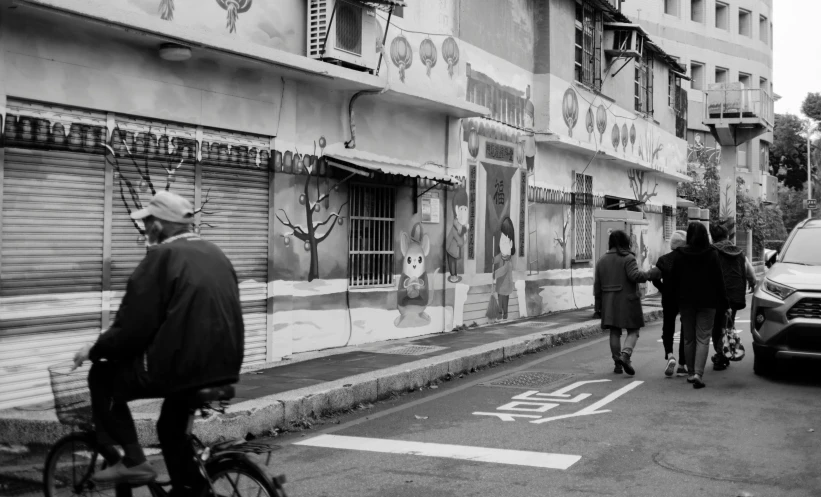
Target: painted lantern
column 401, row 55
column 570, row 110
column 427, row 54
column 450, row 52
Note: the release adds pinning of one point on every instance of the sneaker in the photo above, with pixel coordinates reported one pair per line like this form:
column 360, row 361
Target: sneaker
column 682, row 370
column 691, row 378
column 618, row 369
column 671, row 366
column 626, row 364
column 698, row 382
column 140, row 474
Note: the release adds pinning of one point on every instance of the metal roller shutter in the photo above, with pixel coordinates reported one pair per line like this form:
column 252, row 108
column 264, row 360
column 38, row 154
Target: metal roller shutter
column 235, row 217
column 145, row 153
column 52, row 265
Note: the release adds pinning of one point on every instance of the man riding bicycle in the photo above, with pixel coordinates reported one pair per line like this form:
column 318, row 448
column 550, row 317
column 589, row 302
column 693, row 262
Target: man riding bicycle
column 179, row 329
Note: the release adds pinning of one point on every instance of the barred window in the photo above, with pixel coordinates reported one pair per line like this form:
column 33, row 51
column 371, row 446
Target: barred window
column 644, row 84
column 370, row 245
column 669, row 221
column 589, row 26
column 583, row 217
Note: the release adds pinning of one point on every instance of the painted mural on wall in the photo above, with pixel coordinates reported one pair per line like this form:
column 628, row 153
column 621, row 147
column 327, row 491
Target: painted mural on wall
column 457, row 236
column 504, row 241
column 415, row 292
column 497, row 202
column 641, row 191
column 614, row 130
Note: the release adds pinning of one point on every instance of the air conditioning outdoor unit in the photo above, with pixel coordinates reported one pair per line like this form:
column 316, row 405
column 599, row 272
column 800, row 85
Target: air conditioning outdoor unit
column 623, row 40
column 342, row 32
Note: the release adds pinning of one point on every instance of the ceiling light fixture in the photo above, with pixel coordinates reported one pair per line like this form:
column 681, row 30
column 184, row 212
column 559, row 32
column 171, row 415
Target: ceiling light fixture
column 174, row 52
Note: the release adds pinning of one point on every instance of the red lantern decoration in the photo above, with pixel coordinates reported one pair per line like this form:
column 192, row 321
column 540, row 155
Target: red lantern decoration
column 401, row 55
column 632, row 137
column 614, row 136
column 601, row 122
column 624, row 137
column 233, row 9
column 427, row 54
column 588, row 122
column 450, row 53
column 473, row 142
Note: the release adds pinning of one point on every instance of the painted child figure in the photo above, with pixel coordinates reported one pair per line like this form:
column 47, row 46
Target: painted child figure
column 458, row 234
column 503, row 264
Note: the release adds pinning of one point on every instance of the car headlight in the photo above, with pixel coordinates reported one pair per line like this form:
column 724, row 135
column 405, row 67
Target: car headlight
column 778, row 290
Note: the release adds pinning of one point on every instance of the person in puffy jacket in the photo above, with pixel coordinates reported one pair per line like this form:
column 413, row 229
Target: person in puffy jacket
column 179, row 329
column 699, row 286
column 616, row 291
column 669, row 305
column 738, row 275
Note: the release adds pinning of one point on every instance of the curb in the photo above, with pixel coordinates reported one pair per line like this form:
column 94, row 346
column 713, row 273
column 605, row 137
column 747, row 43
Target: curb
column 261, row 416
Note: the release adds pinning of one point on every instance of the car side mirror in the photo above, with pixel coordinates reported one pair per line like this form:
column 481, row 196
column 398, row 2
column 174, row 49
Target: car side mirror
column 771, row 261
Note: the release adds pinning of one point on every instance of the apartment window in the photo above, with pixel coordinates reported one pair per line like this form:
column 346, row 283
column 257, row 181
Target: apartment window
column 671, row 7
column 583, row 217
column 589, row 25
column 763, row 84
column 697, row 75
column 744, row 27
column 721, row 75
column 669, row 221
column 764, row 30
column 745, row 79
column 371, row 257
column 764, row 155
column 722, row 16
column 643, row 85
column 697, row 11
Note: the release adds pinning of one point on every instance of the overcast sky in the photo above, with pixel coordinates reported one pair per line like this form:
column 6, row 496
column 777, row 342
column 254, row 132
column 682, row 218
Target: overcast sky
column 797, row 52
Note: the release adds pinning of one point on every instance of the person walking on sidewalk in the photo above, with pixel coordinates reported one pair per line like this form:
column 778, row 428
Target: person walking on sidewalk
column 669, row 305
column 179, row 328
column 615, row 287
column 738, row 276
column 699, row 286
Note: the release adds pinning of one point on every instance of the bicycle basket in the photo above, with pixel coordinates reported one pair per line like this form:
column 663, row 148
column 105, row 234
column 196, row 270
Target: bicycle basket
column 72, row 398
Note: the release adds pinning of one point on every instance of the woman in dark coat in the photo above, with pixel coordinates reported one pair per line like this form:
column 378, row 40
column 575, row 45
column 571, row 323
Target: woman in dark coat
column 616, row 290
column 699, row 285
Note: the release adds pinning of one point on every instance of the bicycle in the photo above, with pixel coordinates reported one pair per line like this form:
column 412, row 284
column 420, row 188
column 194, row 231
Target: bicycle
column 72, row 460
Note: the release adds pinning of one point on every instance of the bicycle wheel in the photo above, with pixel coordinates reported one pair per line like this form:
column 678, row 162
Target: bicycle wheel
column 239, row 477
column 69, row 466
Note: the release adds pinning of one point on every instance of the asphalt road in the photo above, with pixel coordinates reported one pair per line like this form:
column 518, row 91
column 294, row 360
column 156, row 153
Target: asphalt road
column 645, row 435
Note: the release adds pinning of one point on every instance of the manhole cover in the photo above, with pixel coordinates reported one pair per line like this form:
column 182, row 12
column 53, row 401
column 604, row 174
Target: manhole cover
column 530, row 379
column 410, row 350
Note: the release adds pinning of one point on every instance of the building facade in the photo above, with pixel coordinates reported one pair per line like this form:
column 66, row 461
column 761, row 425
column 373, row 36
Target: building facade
column 718, row 41
column 449, row 164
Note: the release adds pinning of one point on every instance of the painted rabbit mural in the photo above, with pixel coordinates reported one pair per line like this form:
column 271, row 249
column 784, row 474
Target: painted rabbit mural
column 414, row 292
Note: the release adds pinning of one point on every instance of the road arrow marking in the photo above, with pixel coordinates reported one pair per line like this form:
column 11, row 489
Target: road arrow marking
column 463, row 452
column 593, row 408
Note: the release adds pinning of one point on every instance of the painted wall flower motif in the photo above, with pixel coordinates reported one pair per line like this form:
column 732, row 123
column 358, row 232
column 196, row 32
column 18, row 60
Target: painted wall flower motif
column 601, row 121
column 615, row 136
column 632, row 137
column 624, row 137
column 588, row 122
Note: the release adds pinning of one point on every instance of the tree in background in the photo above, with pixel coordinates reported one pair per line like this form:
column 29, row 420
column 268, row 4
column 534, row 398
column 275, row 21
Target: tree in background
column 811, row 106
column 788, row 153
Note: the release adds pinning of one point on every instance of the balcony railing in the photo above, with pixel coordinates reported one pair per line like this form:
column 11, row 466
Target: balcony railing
column 739, row 105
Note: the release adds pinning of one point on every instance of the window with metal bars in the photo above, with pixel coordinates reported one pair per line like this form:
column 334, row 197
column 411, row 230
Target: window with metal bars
column 589, row 26
column 583, row 217
column 644, row 84
column 370, row 244
column 669, row 221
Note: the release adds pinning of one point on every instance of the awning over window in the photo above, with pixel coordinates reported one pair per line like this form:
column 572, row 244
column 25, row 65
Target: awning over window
column 683, row 202
column 370, row 162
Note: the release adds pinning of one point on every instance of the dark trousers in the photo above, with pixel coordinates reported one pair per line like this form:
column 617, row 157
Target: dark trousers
column 504, row 300
column 718, row 329
column 696, row 328
column 112, row 386
column 668, row 331
column 453, row 266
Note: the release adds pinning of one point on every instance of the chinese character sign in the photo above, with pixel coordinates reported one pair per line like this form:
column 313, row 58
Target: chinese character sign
column 497, row 207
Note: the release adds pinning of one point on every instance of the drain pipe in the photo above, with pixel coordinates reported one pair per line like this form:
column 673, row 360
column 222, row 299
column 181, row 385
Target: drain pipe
column 351, row 116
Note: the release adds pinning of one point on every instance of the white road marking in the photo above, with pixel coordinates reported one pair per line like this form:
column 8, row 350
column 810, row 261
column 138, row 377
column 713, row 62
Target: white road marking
column 592, row 408
column 506, row 417
column 463, row 452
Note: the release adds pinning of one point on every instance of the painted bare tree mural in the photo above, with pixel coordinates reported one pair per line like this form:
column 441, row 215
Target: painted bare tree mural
column 562, row 240
column 312, row 200
column 172, row 154
column 640, row 190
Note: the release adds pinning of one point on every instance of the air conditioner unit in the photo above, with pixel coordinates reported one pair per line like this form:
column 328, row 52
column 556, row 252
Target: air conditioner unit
column 623, row 40
column 342, row 32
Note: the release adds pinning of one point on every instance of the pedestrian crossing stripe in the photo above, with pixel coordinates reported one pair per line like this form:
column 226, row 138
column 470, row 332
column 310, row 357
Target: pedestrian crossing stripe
column 677, row 337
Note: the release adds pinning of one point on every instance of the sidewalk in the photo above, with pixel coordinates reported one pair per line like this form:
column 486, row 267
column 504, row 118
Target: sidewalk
column 290, row 391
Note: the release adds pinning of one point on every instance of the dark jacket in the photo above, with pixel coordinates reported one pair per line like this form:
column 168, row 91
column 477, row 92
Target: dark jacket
column 737, row 278
column 698, row 280
column 668, row 294
column 180, row 322
column 615, row 287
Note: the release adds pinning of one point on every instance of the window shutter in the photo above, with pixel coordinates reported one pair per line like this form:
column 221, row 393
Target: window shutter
column 650, row 85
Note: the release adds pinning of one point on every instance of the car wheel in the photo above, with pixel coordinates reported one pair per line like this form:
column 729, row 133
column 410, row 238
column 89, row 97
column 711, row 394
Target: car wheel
column 763, row 361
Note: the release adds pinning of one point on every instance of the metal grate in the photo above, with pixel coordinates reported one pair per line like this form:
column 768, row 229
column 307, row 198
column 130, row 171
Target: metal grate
column 349, row 27
column 411, row 350
column 371, row 254
column 809, row 308
column 583, row 228
column 317, row 26
column 528, row 379
column 669, row 221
